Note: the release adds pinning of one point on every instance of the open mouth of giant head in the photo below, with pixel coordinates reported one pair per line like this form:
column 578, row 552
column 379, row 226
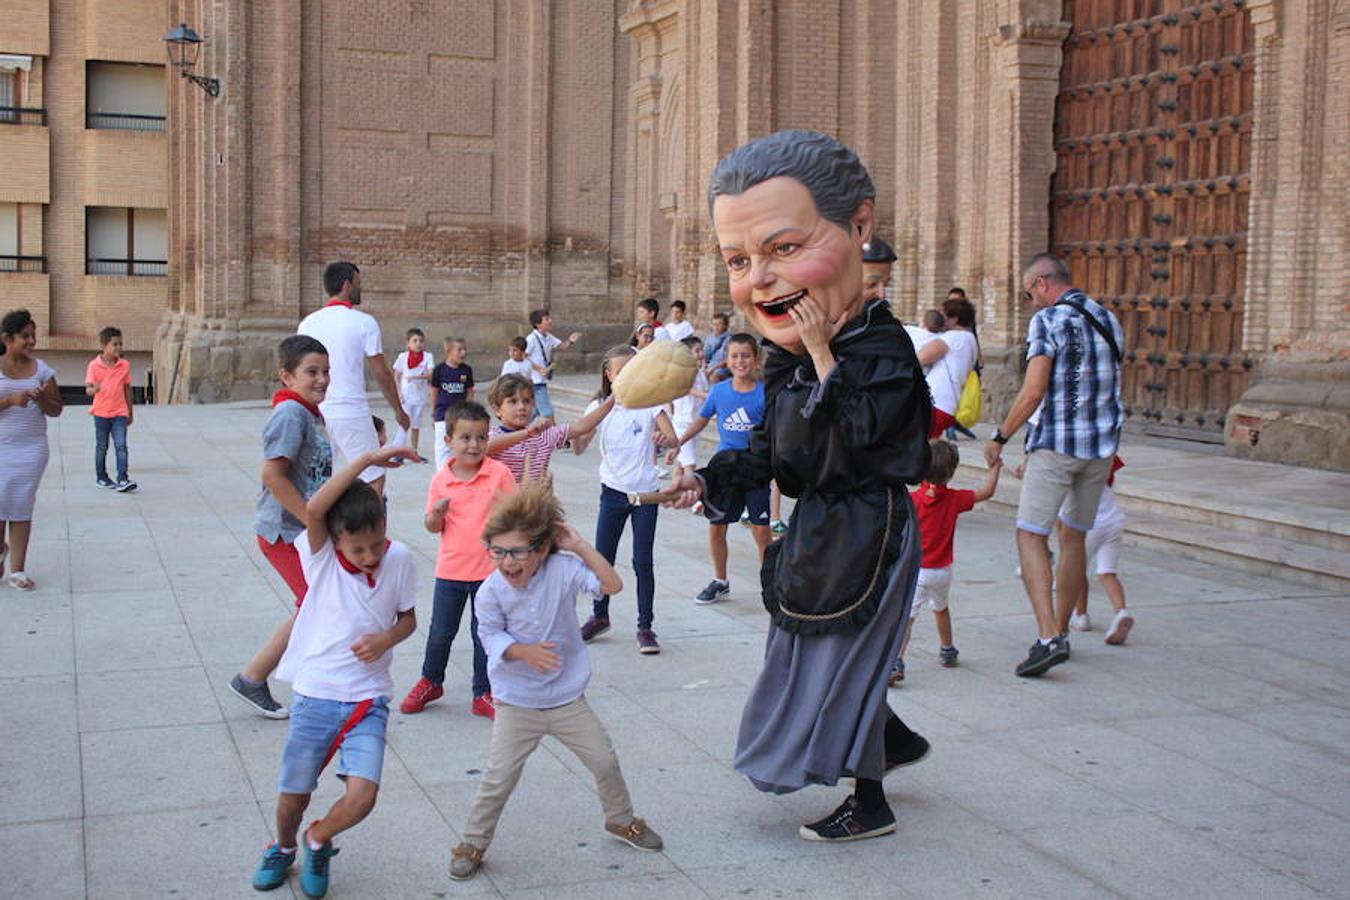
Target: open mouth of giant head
column 779, row 306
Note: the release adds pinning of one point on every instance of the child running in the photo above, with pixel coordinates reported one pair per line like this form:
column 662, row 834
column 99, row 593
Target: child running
column 627, row 466
column 738, row 406
column 540, row 666
column 297, row 460
column 108, row 380
column 525, row 443
column 363, row 588
column 451, row 385
column 458, row 500
column 937, row 507
column 413, row 368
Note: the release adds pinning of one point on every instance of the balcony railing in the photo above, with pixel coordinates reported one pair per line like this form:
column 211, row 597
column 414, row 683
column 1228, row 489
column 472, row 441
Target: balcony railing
column 150, row 267
column 123, row 121
column 23, row 263
column 22, row 115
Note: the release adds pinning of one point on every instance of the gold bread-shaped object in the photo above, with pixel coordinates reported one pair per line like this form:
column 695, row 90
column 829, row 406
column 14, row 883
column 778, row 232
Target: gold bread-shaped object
column 660, row 373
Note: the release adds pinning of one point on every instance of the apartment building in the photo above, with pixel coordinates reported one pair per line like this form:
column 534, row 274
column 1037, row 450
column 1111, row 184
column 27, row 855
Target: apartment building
column 83, row 197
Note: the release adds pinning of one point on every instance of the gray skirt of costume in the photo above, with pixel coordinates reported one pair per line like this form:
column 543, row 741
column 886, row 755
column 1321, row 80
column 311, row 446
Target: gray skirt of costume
column 817, row 712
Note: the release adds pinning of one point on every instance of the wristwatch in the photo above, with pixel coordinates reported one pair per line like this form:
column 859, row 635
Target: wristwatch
column 999, row 437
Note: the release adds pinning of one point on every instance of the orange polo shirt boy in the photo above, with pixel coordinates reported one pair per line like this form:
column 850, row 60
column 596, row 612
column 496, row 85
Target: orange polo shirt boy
column 107, row 379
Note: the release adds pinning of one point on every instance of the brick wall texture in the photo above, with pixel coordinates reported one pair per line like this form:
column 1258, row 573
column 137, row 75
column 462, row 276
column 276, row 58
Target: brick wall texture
column 480, row 158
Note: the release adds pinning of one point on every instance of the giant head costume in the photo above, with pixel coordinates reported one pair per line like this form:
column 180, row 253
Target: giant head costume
column 792, row 212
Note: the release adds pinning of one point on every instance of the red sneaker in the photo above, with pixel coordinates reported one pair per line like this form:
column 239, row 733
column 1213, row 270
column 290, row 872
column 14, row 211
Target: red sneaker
column 482, row 706
column 421, row 694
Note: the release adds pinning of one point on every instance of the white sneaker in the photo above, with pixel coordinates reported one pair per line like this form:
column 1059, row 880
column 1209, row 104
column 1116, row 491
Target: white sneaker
column 1121, row 624
column 1080, row 623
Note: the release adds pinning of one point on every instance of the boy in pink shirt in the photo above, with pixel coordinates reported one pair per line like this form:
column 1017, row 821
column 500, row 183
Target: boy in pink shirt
column 108, row 380
column 459, row 499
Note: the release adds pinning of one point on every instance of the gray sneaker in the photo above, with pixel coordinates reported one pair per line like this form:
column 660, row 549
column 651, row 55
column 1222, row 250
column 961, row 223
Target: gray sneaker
column 259, row 697
column 637, row 834
column 715, row 592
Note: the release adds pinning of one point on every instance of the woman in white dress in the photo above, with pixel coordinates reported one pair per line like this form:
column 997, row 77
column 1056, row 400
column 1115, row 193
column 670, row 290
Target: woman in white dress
column 28, row 394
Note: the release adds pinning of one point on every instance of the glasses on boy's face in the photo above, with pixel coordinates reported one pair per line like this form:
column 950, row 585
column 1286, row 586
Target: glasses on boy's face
column 516, row 553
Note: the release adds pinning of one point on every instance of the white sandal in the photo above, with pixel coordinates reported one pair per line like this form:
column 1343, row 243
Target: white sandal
column 20, row 581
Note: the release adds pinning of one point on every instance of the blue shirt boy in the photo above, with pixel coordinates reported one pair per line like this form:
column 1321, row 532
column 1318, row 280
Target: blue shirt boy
column 736, row 413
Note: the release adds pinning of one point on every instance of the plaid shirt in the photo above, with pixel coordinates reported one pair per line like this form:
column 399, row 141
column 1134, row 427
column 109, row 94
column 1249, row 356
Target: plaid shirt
column 1081, row 415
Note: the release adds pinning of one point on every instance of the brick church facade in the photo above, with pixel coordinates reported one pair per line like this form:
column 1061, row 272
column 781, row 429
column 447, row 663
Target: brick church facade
column 478, row 159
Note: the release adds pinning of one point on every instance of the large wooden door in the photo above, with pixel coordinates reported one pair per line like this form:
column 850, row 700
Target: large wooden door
column 1153, row 126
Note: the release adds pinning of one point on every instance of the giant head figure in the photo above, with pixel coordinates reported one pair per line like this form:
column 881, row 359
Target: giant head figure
column 792, row 212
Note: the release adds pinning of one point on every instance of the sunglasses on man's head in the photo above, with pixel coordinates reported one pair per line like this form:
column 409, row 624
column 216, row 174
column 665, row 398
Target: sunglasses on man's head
column 516, row 553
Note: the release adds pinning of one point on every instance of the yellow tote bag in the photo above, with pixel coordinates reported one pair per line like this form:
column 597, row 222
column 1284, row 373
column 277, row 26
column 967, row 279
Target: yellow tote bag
column 968, row 409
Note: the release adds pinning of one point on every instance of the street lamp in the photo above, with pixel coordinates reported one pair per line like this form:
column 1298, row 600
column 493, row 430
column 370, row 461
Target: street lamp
column 183, row 44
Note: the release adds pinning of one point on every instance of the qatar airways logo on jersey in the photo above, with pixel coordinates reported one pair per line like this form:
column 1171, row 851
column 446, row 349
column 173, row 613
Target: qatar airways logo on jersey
column 738, row 421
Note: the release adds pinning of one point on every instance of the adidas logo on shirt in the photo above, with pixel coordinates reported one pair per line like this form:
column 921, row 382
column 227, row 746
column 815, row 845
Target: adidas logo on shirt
column 738, row 421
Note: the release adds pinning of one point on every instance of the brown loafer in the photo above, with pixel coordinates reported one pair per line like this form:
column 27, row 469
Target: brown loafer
column 464, row 861
column 636, row 834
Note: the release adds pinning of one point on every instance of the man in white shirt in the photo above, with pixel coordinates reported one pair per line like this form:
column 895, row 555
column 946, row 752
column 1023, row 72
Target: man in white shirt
column 352, row 339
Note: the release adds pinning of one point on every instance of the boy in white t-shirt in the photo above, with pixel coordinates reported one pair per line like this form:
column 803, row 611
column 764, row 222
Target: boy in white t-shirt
column 1103, row 542
column 678, row 328
column 683, row 409
column 413, row 368
column 518, row 364
column 362, row 592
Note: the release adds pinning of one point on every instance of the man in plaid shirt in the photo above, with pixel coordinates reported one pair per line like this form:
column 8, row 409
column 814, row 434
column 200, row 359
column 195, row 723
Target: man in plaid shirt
column 1073, row 378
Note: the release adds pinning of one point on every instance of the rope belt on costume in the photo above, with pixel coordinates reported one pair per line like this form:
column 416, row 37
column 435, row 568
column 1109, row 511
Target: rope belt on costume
column 353, row 720
column 871, row 585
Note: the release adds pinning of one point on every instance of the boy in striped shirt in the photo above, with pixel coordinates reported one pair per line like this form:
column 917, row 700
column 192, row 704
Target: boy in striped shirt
column 521, row 443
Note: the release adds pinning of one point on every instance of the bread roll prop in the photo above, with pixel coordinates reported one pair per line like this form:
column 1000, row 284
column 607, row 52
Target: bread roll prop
column 661, row 372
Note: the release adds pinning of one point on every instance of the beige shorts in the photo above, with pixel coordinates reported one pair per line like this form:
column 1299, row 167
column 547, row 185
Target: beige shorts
column 1056, row 486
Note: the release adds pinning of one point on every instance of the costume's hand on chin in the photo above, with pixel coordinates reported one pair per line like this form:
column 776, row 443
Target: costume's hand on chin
column 813, row 326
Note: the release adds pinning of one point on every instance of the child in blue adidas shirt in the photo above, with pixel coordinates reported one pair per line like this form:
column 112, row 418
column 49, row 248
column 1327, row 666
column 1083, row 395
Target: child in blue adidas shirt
column 738, row 406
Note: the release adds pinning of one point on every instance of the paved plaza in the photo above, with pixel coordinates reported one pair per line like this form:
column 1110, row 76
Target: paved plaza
column 1206, row 758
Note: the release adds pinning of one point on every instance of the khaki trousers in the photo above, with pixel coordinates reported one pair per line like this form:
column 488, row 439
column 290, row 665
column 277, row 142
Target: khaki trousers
column 516, row 733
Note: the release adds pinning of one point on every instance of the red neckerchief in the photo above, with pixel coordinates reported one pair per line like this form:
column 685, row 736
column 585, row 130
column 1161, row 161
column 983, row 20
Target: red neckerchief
column 336, row 302
column 349, row 566
column 1116, row 464
column 285, row 394
column 415, row 358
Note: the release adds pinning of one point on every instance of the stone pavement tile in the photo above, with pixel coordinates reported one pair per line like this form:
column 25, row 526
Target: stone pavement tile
column 661, row 886
column 39, row 749
column 49, row 857
column 1129, row 762
column 1139, row 855
column 1287, row 837
column 996, row 702
column 1327, row 682
column 641, row 741
column 1310, row 723
column 258, row 743
column 203, row 853
column 448, row 746
column 115, row 609
column 36, row 636
column 158, row 769
column 120, row 647
column 233, row 640
column 145, row 698
column 721, row 661
column 1183, row 676
column 1253, row 754
column 551, row 834
column 943, row 850
column 133, row 566
column 707, row 716
column 999, row 784
column 205, row 603
column 833, row 873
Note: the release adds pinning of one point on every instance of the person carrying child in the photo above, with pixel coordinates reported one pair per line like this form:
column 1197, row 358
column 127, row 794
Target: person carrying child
column 360, row 605
column 937, row 507
column 540, row 666
column 107, row 379
column 458, row 500
column 738, row 407
column 845, row 430
column 628, row 444
column 297, row 460
column 451, row 385
column 525, row 443
column 413, row 368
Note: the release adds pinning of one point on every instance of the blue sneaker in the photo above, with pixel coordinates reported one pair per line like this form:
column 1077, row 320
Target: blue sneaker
column 314, row 874
column 272, row 869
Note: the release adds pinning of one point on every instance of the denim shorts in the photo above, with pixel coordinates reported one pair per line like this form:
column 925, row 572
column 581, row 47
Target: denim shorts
column 314, row 725
column 543, row 405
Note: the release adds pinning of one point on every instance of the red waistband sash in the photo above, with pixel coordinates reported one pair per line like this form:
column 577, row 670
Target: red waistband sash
column 353, row 720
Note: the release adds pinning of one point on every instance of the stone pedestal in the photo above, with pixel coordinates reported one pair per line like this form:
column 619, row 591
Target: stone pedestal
column 1296, row 411
column 205, row 361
